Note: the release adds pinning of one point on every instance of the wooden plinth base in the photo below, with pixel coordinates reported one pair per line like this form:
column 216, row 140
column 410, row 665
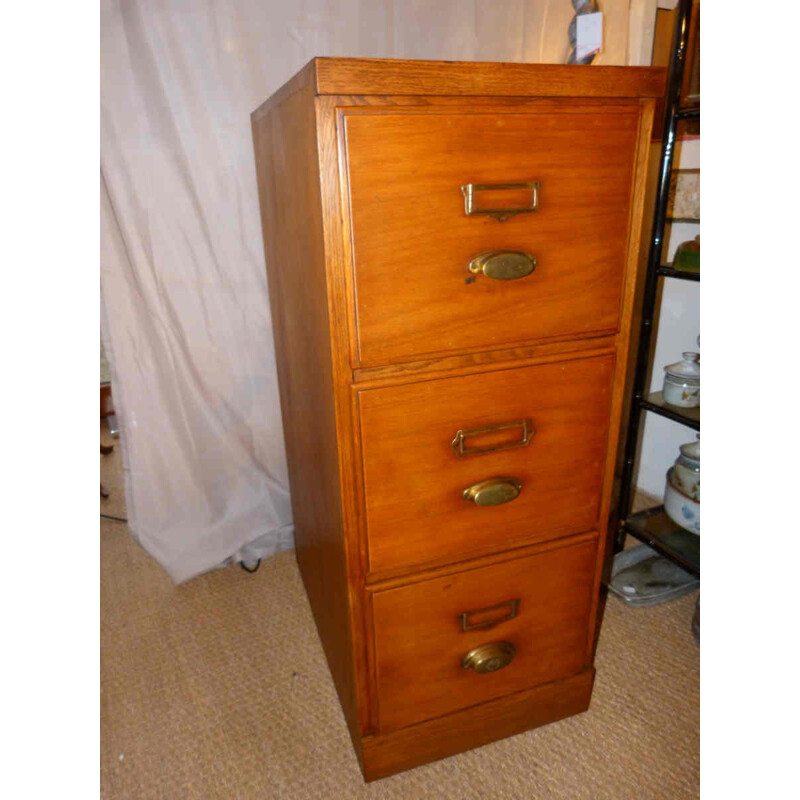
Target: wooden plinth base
column 388, row 753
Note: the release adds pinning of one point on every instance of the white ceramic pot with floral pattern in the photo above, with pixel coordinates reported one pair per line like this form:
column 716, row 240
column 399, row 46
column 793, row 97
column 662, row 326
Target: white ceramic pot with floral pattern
column 686, row 474
column 682, row 493
column 682, row 382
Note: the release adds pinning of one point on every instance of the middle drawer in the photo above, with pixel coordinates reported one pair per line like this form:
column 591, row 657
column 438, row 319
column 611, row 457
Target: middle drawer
column 458, row 466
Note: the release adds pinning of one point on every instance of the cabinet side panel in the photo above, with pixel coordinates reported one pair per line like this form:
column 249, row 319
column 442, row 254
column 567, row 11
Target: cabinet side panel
column 285, row 144
column 616, row 440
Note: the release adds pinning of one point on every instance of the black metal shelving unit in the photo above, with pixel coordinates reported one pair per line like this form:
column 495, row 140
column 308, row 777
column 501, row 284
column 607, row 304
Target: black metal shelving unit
column 653, row 526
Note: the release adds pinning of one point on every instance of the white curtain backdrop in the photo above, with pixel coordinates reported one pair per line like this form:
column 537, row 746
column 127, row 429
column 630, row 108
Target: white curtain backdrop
column 185, row 314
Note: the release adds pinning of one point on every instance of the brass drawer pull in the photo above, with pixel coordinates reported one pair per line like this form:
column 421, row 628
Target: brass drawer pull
column 503, row 265
column 500, row 214
column 493, row 491
column 510, row 606
column 489, row 657
column 461, row 449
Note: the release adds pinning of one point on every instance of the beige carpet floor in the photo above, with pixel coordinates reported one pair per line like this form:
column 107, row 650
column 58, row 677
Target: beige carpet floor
column 219, row 689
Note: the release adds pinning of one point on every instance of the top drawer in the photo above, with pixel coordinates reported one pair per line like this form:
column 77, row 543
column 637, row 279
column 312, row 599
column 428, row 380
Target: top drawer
column 413, row 240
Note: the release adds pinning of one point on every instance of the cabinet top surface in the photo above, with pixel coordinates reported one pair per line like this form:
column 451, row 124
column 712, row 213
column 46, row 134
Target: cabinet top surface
column 386, row 76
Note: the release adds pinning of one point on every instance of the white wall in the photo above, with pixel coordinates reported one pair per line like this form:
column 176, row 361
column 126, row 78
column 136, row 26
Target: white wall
column 678, row 328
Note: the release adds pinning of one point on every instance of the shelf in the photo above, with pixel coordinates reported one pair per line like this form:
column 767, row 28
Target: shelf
column 674, row 204
column 685, row 275
column 686, row 416
column 655, row 528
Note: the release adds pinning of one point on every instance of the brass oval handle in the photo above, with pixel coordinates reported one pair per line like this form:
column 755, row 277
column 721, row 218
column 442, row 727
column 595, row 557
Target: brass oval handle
column 489, row 657
column 503, row 265
column 493, row 491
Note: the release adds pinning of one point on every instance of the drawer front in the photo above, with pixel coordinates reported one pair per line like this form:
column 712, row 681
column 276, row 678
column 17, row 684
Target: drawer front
column 415, row 476
column 413, row 240
column 539, row 605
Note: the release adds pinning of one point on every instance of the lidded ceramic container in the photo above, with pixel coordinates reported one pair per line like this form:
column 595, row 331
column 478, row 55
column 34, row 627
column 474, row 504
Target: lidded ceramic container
column 686, row 476
column 682, row 382
column 682, row 493
column 687, row 256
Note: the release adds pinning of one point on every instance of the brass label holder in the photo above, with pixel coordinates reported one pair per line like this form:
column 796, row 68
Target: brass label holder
column 510, row 607
column 460, row 448
column 500, row 214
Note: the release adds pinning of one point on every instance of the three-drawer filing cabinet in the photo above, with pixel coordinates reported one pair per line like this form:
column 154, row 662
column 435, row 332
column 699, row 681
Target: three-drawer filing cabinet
column 452, row 254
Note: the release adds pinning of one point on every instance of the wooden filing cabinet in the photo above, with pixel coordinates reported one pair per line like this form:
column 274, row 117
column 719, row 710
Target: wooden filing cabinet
column 452, row 252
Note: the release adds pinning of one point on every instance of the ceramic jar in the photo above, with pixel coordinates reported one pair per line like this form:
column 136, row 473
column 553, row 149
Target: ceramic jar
column 682, row 493
column 682, row 382
column 687, row 469
column 687, row 256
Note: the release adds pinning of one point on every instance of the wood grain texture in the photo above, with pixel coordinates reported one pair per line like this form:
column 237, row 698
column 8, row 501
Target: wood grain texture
column 409, row 575
column 357, row 441
column 412, row 240
column 634, row 265
column 289, row 190
column 462, row 730
column 420, row 645
column 462, row 364
column 415, row 511
column 368, row 76
column 339, row 313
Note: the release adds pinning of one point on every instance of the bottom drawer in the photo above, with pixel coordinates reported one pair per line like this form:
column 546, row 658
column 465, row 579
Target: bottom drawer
column 456, row 641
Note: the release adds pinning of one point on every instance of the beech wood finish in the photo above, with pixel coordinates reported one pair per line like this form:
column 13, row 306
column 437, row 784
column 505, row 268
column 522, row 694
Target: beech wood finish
column 289, row 189
column 375, row 76
column 385, row 350
column 413, row 479
column 419, row 643
column 440, row 737
column 413, row 241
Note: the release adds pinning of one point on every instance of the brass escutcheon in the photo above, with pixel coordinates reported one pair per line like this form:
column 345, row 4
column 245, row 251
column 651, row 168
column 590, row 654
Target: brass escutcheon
column 493, row 491
column 489, row 657
column 503, row 265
